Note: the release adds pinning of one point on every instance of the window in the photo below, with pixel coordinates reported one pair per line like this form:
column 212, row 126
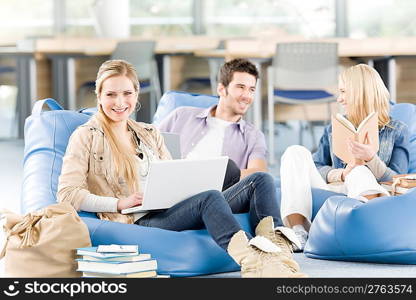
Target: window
column 373, row 18
column 147, row 17
column 22, row 18
column 243, row 17
column 161, row 18
column 79, row 20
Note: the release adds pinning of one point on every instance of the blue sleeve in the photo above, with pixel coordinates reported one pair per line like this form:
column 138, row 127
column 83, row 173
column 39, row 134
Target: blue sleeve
column 399, row 161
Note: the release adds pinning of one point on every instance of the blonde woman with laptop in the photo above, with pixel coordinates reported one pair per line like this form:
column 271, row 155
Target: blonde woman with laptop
column 106, row 164
column 361, row 92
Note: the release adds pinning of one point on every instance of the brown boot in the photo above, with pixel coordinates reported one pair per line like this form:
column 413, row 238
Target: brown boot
column 282, row 237
column 259, row 257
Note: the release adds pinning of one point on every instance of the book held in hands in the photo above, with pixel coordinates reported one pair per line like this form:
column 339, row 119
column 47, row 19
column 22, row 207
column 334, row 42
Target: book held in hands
column 343, row 131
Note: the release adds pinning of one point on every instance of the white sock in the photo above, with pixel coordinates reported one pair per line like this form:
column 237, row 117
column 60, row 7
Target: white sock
column 299, row 227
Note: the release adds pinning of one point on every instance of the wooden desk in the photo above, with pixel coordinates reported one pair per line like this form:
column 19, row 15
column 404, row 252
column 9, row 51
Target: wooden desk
column 64, row 51
column 369, row 50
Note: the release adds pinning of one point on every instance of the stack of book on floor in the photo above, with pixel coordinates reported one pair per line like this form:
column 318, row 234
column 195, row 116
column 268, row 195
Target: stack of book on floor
column 401, row 184
column 117, row 261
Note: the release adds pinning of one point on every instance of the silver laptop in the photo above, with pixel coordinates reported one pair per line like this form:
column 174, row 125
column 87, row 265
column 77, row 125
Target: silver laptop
column 173, row 143
column 171, row 181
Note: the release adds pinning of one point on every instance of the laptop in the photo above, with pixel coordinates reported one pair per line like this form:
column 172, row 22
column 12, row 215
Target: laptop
column 173, row 143
column 171, row 181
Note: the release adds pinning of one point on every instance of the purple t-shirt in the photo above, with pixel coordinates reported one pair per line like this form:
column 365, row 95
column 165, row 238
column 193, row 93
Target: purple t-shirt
column 242, row 141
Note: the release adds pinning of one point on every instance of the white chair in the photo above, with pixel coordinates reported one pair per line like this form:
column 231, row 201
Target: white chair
column 301, row 73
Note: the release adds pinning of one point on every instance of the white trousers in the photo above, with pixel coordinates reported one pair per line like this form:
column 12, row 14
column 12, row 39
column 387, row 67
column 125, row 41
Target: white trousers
column 299, row 175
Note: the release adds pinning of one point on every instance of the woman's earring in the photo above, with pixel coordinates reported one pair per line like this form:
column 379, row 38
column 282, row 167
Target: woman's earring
column 138, row 106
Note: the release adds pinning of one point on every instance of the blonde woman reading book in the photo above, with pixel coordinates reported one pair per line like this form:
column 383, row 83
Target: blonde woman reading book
column 361, row 92
column 106, row 164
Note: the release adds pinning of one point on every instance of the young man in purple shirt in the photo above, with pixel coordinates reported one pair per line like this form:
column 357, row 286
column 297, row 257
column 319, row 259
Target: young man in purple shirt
column 220, row 129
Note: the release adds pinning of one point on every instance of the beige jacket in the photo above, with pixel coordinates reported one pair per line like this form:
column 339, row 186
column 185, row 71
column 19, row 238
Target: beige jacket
column 88, row 165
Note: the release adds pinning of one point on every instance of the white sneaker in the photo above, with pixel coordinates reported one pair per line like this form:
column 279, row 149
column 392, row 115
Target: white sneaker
column 302, row 236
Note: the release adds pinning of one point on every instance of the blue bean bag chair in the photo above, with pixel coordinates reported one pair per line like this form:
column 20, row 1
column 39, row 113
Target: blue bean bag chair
column 381, row 230
column 172, row 100
column 185, row 253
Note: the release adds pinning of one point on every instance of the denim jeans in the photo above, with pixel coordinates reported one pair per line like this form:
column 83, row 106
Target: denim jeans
column 214, row 210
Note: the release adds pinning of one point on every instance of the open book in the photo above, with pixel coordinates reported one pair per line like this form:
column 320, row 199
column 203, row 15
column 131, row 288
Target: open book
column 342, row 130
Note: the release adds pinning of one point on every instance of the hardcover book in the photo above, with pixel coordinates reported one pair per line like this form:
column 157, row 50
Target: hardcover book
column 405, row 180
column 138, row 257
column 143, row 274
column 343, row 130
column 116, row 267
column 92, row 251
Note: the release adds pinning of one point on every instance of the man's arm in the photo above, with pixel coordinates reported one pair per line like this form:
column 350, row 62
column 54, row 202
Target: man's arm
column 254, row 165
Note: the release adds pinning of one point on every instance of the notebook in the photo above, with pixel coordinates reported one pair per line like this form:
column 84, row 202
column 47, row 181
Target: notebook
column 171, row 181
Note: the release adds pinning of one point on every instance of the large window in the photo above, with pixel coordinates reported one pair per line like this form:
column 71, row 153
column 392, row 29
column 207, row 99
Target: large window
column 79, row 20
column 23, row 18
column 152, row 18
column 161, row 18
column 246, row 17
column 147, row 17
column 389, row 18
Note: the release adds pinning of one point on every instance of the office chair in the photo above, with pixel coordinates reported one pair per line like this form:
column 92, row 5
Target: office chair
column 214, row 64
column 300, row 74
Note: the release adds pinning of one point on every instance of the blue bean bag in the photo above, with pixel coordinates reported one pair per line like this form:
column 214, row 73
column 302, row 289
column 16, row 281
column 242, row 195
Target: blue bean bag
column 186, row 253
column 173, row 99
column 381, row 230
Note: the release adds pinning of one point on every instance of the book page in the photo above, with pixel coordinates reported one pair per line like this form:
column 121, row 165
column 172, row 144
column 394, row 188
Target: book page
column 368, row 131
column 362, row 124
column 345, row 122
column 341, row 134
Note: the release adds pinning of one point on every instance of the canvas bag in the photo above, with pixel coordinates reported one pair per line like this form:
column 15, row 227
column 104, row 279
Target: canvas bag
column 42, row 243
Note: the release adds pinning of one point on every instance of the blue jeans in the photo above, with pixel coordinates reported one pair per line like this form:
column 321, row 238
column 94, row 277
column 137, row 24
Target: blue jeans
column 214, row 210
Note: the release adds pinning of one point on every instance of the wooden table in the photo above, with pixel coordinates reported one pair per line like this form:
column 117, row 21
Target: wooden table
column 64, row 51
column 369, row 50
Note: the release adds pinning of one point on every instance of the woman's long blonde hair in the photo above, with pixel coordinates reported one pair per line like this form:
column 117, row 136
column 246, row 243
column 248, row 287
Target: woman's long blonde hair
column 124, row 161
column 365, row 92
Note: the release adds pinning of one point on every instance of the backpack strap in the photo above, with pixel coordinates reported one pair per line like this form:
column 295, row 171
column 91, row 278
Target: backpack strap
column 51, row 103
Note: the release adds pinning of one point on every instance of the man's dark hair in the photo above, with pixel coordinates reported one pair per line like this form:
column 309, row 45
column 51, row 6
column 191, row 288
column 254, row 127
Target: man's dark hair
column 236, row 65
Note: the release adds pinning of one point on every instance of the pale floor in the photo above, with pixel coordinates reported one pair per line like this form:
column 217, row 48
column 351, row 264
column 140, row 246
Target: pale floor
column 11, row 160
